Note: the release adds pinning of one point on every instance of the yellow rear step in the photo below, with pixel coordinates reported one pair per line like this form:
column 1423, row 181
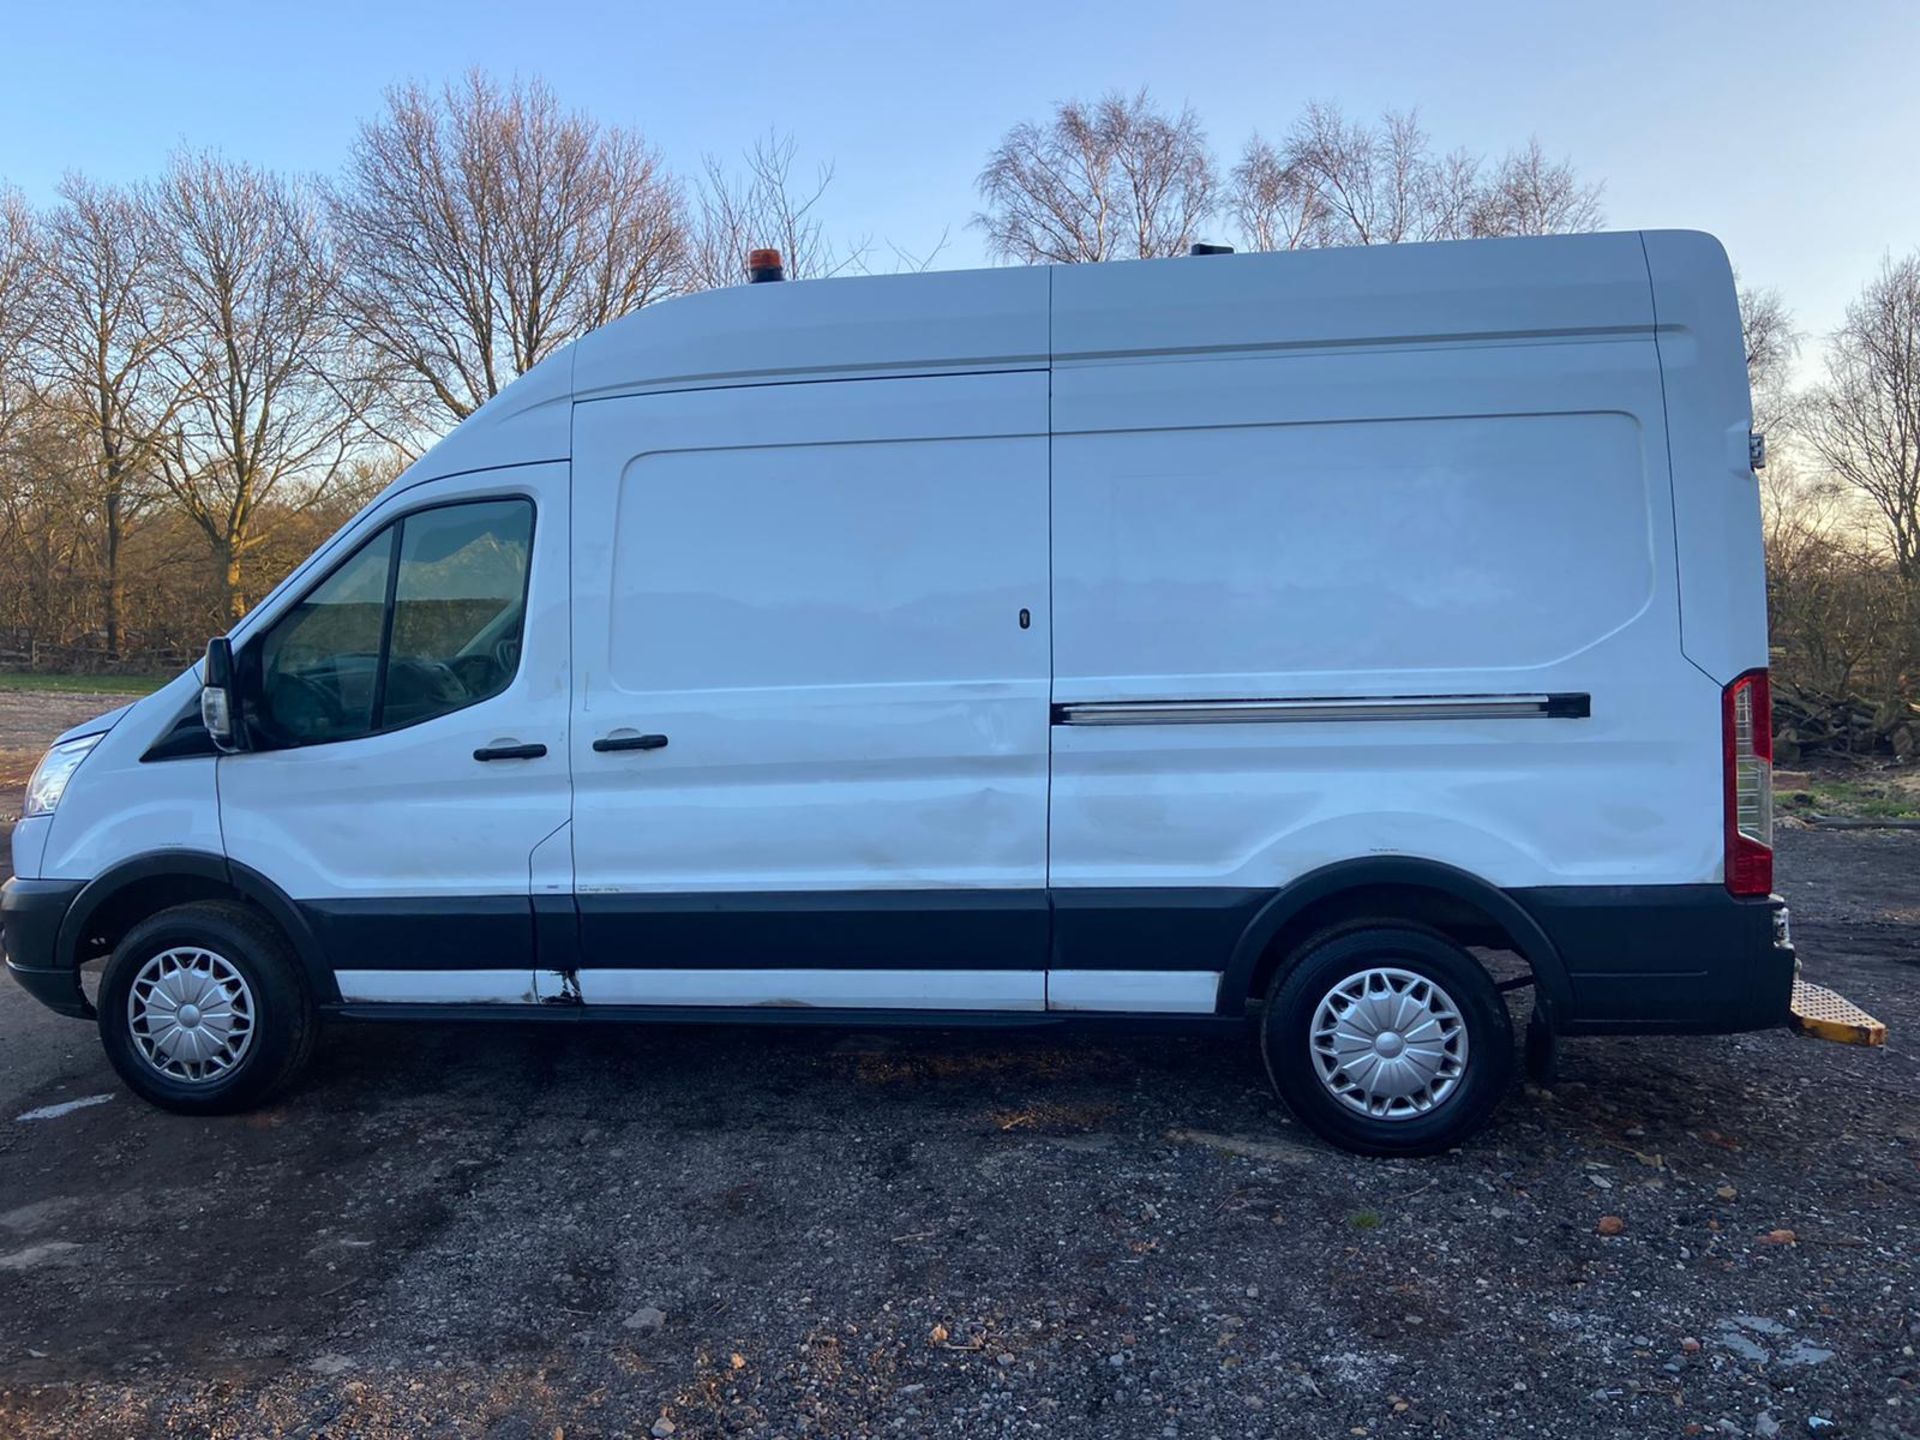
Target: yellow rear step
column 1819, row 1012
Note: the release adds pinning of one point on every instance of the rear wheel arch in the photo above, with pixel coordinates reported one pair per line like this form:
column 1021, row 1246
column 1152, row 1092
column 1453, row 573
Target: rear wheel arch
column 1390, row 890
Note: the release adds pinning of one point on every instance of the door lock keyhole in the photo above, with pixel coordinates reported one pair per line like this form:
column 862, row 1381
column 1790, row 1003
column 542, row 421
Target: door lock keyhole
column 1026, row 618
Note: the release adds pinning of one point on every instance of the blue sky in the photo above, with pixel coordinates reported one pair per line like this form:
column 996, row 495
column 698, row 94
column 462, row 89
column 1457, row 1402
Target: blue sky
column 1787, row 129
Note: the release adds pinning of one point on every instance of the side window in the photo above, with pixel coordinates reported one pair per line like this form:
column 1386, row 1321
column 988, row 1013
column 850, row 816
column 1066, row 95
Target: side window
column 425, row 618
column 320, row 662
column 458, row 608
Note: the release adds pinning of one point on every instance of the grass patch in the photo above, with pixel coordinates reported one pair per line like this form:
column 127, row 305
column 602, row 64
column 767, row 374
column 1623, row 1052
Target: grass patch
column 16, row 680
column 1860, row 798
column 1365, row 1220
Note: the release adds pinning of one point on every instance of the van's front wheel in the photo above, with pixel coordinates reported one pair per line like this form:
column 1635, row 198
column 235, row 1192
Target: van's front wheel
column 203, row 1010
column 1388, row 1041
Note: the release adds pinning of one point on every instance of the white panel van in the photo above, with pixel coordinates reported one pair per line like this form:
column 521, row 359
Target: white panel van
column 1230, row 642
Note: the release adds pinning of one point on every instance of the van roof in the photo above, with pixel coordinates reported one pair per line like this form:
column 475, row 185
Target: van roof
column 1027, row 316
column 1013, row 318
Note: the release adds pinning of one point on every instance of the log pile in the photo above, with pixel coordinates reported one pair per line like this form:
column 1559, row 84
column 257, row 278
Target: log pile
column 1809, row 722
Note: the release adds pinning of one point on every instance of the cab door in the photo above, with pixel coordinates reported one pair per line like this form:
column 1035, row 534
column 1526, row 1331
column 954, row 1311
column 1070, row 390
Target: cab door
column 408, row 717
column 810, row 704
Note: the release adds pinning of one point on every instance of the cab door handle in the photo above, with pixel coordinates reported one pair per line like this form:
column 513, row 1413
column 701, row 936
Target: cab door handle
column 630, row 742
column 509, row 752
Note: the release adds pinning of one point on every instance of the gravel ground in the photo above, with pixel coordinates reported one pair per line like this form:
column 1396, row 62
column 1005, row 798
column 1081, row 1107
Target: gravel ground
column 515, row 1231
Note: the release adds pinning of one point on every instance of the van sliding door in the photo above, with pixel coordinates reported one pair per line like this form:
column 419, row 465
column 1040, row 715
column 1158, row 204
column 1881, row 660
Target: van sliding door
column 810, row 696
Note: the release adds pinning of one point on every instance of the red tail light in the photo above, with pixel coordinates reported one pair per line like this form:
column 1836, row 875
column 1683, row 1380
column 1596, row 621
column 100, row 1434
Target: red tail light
column 1746, row 740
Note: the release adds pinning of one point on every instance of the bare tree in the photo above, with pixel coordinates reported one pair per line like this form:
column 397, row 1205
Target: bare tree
column 44, row 584
column 1345, row 182
column 484, row 227
column 763, row 204
column 1528, row 194
column 1379, row 185
column 1117, row 179
column 1865, row 421
column 18, row 296
column 1837, row 612
column 1772, row 346
column 257, row 349
column 1274, row 204
column 103, row 359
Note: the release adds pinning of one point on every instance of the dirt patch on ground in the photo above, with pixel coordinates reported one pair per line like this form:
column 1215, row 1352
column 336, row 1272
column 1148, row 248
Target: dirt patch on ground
column 513, row 1230
column 28, row 721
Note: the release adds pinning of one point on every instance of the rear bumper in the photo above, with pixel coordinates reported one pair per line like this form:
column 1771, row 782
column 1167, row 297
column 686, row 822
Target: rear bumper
column 30, row 916
column 1674, row 959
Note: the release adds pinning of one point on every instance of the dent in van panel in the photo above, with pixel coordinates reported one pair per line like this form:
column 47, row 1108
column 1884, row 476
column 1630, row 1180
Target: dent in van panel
column 1408, row 545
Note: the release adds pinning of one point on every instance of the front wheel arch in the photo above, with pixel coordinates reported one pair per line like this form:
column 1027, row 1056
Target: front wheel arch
column 134, row 889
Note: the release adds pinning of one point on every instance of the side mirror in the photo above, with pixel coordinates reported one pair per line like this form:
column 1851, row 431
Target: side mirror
column 220, row 698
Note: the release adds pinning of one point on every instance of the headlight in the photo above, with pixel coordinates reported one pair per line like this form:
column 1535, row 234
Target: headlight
column 56, row 768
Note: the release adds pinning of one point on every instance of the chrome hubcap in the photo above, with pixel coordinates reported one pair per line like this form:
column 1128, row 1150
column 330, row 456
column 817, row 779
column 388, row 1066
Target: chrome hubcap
column 1389, row 1043
column 191, row 1014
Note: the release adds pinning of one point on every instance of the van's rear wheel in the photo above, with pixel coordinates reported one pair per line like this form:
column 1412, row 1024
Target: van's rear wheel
column 1388, row 1040
column 203, row 1009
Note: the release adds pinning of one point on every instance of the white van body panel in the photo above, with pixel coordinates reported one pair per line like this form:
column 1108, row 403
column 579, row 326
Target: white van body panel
column 1485, row 519
column 124, row 808
column 814, row 592
column 1709, row 414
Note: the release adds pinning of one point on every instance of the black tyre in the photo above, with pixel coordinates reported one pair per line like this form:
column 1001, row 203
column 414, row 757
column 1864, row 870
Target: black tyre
column 203, row 1009
column 1387, row 1040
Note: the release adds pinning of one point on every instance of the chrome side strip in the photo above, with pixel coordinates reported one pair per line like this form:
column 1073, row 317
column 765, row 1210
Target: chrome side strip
column 1136, row 992
column 437, row 987
column 1302, row 711
column 803, row 989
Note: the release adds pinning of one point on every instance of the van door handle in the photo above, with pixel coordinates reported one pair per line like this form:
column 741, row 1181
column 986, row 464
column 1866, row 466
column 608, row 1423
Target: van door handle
column 630, row 742
column 509, row 752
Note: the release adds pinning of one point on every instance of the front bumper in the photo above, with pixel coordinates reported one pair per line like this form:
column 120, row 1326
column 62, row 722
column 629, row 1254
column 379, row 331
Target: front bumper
column 31, row 912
